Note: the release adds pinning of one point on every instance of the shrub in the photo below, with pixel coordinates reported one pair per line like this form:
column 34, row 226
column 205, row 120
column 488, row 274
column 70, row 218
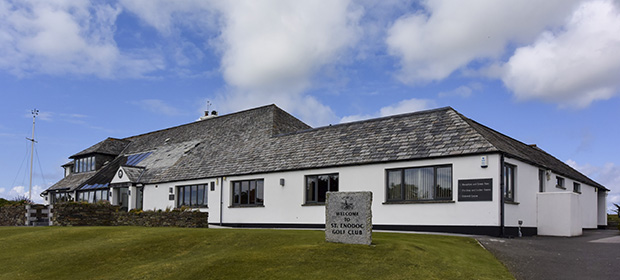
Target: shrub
column 20, row 200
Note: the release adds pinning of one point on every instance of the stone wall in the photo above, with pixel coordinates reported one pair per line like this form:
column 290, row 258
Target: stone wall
column 13, row 215
column 85, row 214
column 163, row 219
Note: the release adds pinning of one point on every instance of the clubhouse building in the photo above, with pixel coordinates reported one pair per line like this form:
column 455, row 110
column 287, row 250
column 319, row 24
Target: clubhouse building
column 434, row 170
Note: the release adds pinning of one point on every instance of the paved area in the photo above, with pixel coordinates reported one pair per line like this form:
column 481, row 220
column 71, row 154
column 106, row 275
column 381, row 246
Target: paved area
column 595, row 255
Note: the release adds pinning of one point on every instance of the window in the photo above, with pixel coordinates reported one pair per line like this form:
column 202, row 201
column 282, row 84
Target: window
column 247, row 193
column 84, row 164
column 419, row 184
column 318, row 185
column 559, row 182
column 93, row 196
column 509, row 182
column 541, row 180
column 192, row 196
column 60, row 197
column 576, row 187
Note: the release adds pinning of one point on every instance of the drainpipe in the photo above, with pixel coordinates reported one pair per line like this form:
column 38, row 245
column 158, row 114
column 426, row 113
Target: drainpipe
column 501, row 196
column 221, row 199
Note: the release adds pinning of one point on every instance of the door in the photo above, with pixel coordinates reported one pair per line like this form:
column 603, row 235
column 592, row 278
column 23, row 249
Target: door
column 124, row 198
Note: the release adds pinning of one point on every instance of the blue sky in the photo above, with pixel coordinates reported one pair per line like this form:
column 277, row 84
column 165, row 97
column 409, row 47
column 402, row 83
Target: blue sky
column 545, row 73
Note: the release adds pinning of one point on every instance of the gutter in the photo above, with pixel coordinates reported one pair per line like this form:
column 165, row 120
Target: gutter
column 501, row 196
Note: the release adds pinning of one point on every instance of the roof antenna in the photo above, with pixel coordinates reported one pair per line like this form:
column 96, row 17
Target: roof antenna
column 208, row 107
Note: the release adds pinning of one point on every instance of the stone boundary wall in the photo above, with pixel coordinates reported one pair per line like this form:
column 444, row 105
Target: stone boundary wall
column 85, row 214
column 13, row 215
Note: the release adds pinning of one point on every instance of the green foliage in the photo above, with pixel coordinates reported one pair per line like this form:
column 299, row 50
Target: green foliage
column 20, row 200
column 177, row 253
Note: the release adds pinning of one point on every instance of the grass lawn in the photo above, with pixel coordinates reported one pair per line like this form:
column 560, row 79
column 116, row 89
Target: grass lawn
column 180, row 253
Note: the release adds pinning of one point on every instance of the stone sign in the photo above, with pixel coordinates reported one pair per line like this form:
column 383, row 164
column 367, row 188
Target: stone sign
column 348, row 217
column 476, row 190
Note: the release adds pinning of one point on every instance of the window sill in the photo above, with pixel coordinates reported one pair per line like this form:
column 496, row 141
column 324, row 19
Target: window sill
column 577, row 192
column 560, row 187
column 246, row 206
column 314, row 204
column 418, row 202
column 511, row 202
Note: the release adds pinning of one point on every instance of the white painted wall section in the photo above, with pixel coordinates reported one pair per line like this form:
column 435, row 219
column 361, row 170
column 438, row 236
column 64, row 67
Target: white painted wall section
column 559, row 214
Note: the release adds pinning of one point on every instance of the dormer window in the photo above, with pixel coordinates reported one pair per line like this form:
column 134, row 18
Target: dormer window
column 85, row 164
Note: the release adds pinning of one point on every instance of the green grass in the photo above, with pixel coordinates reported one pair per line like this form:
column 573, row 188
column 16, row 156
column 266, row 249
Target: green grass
column 179, row 253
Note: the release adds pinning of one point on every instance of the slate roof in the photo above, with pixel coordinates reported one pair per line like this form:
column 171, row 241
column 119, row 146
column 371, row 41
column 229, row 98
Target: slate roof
column 267, row 139
column 530, row 153
column 109, row 146
column 71, row 182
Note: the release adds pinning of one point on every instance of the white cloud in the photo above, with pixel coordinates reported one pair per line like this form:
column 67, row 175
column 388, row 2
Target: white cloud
column 282, row 44
column 575, row 66
column 404, row 106
column 22, row 191
column 306, row 107
column 65, row 37
column 270, row 50
column 448, row 35
column 607, row 175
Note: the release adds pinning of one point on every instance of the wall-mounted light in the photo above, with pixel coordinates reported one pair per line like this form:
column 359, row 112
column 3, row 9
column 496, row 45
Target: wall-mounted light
column 484, row 163
column 282, row 182
column 548, row 173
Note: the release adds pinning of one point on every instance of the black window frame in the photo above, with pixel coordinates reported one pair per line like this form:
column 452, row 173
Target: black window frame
column 559, row 182
column 509, row 181
column 84, row 164
column 576, row 187
column 97, row 195
column 319, row 195
column 248, row 200
column 192, row 201
column 400, row 172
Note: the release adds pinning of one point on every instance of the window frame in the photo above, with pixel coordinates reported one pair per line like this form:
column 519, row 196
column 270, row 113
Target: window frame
column 258, row 197
column 317, row 189
column 403, row 199
column 84, row 164
column 560, row 182
column 93, row 196
column 509, row 181
column 192, row 196
column 576, row 187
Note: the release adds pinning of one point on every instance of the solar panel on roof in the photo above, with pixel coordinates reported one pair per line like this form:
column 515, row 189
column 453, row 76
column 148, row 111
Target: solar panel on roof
column 94, row 186
column 133, row 160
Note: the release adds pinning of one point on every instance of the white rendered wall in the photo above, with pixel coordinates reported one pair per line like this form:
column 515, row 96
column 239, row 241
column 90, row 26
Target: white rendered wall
column 526, row 187
column 588, row 200
column 283, row 204
column 559, row 214
column 602, row 208
column 157, row 196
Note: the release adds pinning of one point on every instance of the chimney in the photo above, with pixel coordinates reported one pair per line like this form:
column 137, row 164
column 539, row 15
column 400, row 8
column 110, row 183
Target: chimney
column 207, row 116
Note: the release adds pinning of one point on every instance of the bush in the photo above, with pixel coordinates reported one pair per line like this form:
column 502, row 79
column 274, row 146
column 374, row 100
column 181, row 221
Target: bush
column 20, row 200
